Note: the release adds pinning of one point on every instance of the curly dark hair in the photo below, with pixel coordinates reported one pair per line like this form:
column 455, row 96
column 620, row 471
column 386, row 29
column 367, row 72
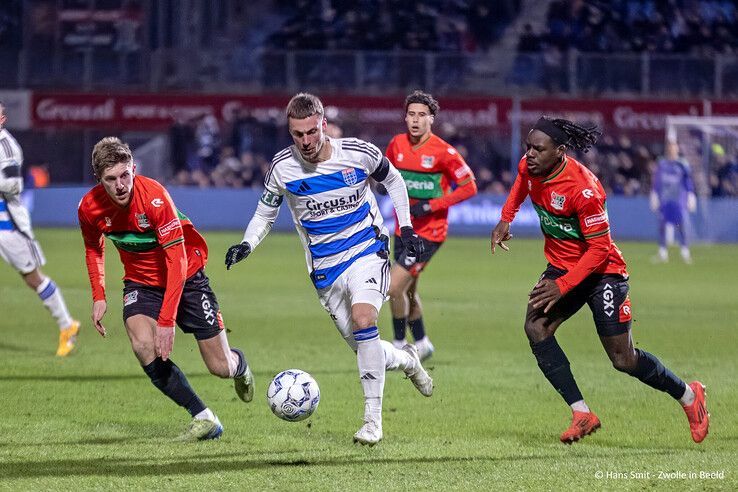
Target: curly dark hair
column 420, row 97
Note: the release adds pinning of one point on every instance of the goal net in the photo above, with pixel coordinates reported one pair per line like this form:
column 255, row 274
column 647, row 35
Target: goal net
column 708, row 144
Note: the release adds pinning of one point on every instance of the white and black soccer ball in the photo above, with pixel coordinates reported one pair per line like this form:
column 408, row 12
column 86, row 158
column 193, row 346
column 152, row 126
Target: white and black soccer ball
column 293, row 395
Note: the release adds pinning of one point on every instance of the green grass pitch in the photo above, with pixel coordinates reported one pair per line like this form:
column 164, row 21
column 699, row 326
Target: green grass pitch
column 93, row 420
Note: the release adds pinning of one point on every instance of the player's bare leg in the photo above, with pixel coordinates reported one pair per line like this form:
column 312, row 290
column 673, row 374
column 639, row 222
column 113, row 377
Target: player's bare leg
column 226, row 362
column 400, row 281
column 170, row 380
column 648, row 369
column 53, row 300
column 540, row 329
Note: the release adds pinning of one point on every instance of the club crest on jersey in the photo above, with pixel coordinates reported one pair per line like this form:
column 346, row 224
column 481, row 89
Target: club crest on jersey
column 349, row 176
column 143, row 221
column 108, row 222
column 400, row 157
column 426, row 161
column 130, row 298
column 530, row 185
column 557, row 201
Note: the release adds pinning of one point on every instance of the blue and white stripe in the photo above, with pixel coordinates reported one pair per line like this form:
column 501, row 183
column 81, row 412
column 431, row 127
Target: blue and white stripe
column 332, row 206
column 366, row 334
column 46, row 289
column 5, row 223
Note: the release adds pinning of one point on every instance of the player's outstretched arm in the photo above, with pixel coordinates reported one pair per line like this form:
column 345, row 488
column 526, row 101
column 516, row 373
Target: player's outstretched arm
column 259, row 226
column 500, row 234
column 98, row 311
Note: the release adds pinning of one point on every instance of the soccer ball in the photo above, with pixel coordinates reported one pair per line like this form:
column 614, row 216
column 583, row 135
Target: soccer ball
column 293, row 395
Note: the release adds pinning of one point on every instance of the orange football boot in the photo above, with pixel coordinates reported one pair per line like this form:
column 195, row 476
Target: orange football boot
column 697, row 414
column 582, row 424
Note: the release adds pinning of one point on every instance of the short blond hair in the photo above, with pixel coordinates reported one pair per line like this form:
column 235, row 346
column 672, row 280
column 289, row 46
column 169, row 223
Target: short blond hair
column 304, row 105
column 109, row 152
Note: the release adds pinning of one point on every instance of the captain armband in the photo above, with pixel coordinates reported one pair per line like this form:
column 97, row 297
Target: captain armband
column 12, row 170
column 271, row 199
column 382, row 170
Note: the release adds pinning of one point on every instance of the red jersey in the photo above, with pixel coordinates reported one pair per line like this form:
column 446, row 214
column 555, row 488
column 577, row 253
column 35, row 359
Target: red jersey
column 158, row 245
column 570, row 203
column 431, row 170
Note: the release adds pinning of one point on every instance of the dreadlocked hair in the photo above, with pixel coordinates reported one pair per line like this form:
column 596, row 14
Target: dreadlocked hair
column 578, row 137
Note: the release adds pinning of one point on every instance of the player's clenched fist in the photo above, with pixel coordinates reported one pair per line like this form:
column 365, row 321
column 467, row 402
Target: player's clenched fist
column 236, row 253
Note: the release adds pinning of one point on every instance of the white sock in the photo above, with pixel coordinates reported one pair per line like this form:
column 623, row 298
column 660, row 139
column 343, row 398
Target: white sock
column 688, row 397
column 580, row 406
column 52, row 298
column 371, row 363
column 206, row 414
column 395, row 358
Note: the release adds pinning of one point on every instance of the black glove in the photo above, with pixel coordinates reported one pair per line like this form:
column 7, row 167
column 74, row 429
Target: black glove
column 236, row 253
column 412, row 242
column 423, row 207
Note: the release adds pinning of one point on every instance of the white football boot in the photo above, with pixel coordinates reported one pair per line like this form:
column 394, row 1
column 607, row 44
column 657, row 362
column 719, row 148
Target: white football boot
column 425, row 348
column 417, row 374
column 369, row 434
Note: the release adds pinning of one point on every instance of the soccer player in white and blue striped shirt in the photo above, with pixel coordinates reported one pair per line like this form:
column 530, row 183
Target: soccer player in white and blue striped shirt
column 326, row 184
column 18, row 246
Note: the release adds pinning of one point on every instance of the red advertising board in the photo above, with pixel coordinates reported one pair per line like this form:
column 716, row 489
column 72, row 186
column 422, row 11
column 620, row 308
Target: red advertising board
column 623, row 115
column 156, row 112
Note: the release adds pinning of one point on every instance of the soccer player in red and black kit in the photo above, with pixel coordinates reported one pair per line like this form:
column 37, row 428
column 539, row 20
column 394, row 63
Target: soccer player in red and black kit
column 584, row 266
column 164, row 281
column 436, row 177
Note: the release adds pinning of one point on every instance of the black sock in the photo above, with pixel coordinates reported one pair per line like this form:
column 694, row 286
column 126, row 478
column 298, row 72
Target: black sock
column 399, row 325
column 651, row 371
column 555, row 366
column 172, row 382
column 241, row 362
column 417, row 328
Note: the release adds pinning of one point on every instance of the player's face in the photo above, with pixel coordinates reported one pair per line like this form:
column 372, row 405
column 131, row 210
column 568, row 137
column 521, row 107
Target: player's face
column 308, row 135
column 118, row 183
column 419, row 120
column 542, row 154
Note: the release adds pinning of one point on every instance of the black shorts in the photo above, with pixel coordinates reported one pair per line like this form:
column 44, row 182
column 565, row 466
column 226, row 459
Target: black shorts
column 198, row 312
column 410, row 263
column 606, row 295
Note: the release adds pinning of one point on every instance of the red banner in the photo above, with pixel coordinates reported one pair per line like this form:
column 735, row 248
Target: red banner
column 626, row 116
column 157, row 112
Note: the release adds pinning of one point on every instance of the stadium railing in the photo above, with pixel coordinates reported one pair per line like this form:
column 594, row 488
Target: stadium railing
column 377, row 72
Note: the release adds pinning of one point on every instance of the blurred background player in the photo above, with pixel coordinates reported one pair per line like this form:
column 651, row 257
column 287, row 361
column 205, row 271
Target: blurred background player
column 584, row 266
column 335, row 213
column 672, row 197
column 436, row 178
column 164, row 281
column 18, row 246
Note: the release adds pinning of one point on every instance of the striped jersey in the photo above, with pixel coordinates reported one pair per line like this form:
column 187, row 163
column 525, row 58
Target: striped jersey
column 333, row 209
column 570, row 203
column 13, row 215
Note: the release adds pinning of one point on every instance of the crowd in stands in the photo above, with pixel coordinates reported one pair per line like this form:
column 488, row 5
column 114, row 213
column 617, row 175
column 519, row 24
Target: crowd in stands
column 622, row 26
column 206, row 152
column 386, row 25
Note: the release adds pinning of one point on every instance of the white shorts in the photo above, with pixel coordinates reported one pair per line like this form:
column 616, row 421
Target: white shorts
column 21, row 252
column 364, row 282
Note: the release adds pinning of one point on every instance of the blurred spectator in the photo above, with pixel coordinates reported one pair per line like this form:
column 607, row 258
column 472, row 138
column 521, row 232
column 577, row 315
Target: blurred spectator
column 207, row 144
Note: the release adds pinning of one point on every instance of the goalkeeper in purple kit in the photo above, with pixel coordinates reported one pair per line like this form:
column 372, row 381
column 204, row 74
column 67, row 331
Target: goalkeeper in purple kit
column 672, row 197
